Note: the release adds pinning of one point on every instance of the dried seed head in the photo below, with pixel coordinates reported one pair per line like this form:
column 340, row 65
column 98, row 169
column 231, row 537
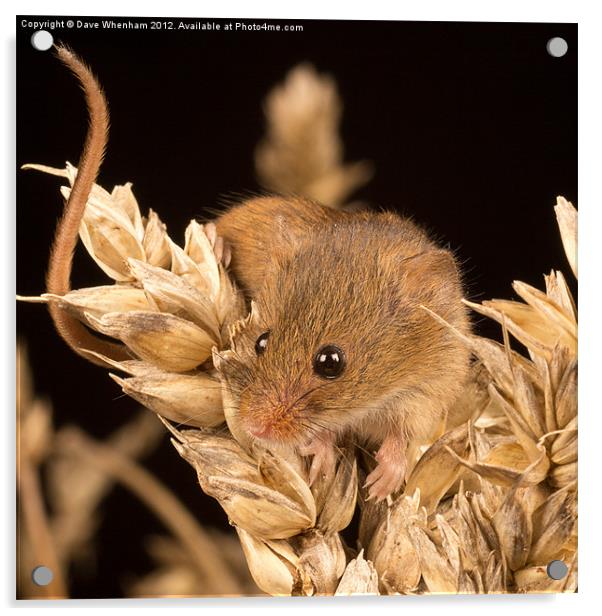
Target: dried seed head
column 566, row 215
column 99, row 301
column 514, row 528
column 200, row 250
column 302, row 152
column 194, row 400
column 392, row 549
column 171, row 294
column 438, row 468
column 336, row 496
column 162, row 339
column 156, row 241
column 554, row 522
column 436, row 568
column 273, row 564
column 271, row 501
column 360, row 578
column 321, row 559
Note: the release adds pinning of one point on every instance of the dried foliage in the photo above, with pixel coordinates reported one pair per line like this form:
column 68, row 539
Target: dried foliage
column 302, row 151
column 486, row 505
column 59, row 517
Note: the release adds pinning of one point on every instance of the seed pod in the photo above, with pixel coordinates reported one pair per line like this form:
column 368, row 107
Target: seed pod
column 558, row 290
column 549, row 312
column 272, row 572
column 111, row 229
column 199, row 249
column 302, row 151
column 156, row 241
column 192, row 400
column 392, row 549
column 536, row 580
column 360, row 578
column 99, row 301
column 250, row 494
column 438, row 468
column 437, row 571
column 520, row 428
column 554, row 522
column 201, row 277
column 566, row 397
column 339, row 495
column 229, row 304
column 564, row 475
column 322, row 559
column 265, row 513
column 279, row 474
column 566, row 214
column 171, row 294
column 528, row 401
column 122, row 199
column 514, row 529
column 168, row 342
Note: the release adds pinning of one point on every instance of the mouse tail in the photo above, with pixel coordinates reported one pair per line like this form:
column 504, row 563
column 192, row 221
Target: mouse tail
column 58, row 277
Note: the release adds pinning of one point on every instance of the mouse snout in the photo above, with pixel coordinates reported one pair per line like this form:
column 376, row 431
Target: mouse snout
column 269, row 419
column 260, row 430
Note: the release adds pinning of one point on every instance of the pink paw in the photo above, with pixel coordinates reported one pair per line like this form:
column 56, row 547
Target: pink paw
column 389, row 474
column 324, row 458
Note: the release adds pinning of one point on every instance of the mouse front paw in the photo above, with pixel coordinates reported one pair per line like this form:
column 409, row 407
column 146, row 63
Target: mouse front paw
column 324, row 458
column 389, row 474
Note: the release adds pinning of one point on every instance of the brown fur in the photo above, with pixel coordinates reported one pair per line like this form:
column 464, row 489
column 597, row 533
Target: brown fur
column 318, row 276
column 357, row 280
column 58, row 277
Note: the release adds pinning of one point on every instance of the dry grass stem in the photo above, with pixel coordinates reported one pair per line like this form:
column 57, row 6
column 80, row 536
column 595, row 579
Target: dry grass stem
column 36, row 544
column 201, row 548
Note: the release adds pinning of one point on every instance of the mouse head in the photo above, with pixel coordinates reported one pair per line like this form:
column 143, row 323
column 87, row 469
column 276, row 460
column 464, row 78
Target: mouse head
column 339, row 332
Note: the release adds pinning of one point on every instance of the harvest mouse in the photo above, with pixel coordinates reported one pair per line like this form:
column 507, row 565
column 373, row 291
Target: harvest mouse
column 342, row 343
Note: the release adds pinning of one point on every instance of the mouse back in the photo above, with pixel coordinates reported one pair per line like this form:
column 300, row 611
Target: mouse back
column 263, row 229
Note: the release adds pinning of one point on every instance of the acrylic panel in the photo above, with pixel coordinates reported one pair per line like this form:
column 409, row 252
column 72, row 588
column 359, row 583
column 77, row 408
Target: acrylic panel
column 309, row 326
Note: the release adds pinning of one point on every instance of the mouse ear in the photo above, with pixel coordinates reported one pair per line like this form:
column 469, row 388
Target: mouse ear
column 437, row 261
column 282, row 244
column 432, row 274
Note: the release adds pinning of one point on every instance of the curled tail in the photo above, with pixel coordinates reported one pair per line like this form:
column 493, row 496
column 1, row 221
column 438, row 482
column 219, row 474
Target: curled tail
column 58, row 277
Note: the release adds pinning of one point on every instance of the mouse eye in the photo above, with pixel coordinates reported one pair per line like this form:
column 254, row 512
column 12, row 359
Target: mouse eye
column 261, row 343
column 329, row 362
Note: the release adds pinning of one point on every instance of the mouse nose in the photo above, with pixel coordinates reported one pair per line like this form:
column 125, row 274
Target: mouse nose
column 260, row 431
column 267, row 419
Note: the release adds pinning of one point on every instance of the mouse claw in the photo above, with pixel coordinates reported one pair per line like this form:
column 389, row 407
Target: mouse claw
column 378, row 484
column 323, row 461
column 373, row 477
column 389, row 474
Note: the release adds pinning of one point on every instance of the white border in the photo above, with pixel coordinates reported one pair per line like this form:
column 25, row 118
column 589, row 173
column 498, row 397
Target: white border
column 590, row 169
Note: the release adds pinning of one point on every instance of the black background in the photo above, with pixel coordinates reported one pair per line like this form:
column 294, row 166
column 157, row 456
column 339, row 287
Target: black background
column 472, row 128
